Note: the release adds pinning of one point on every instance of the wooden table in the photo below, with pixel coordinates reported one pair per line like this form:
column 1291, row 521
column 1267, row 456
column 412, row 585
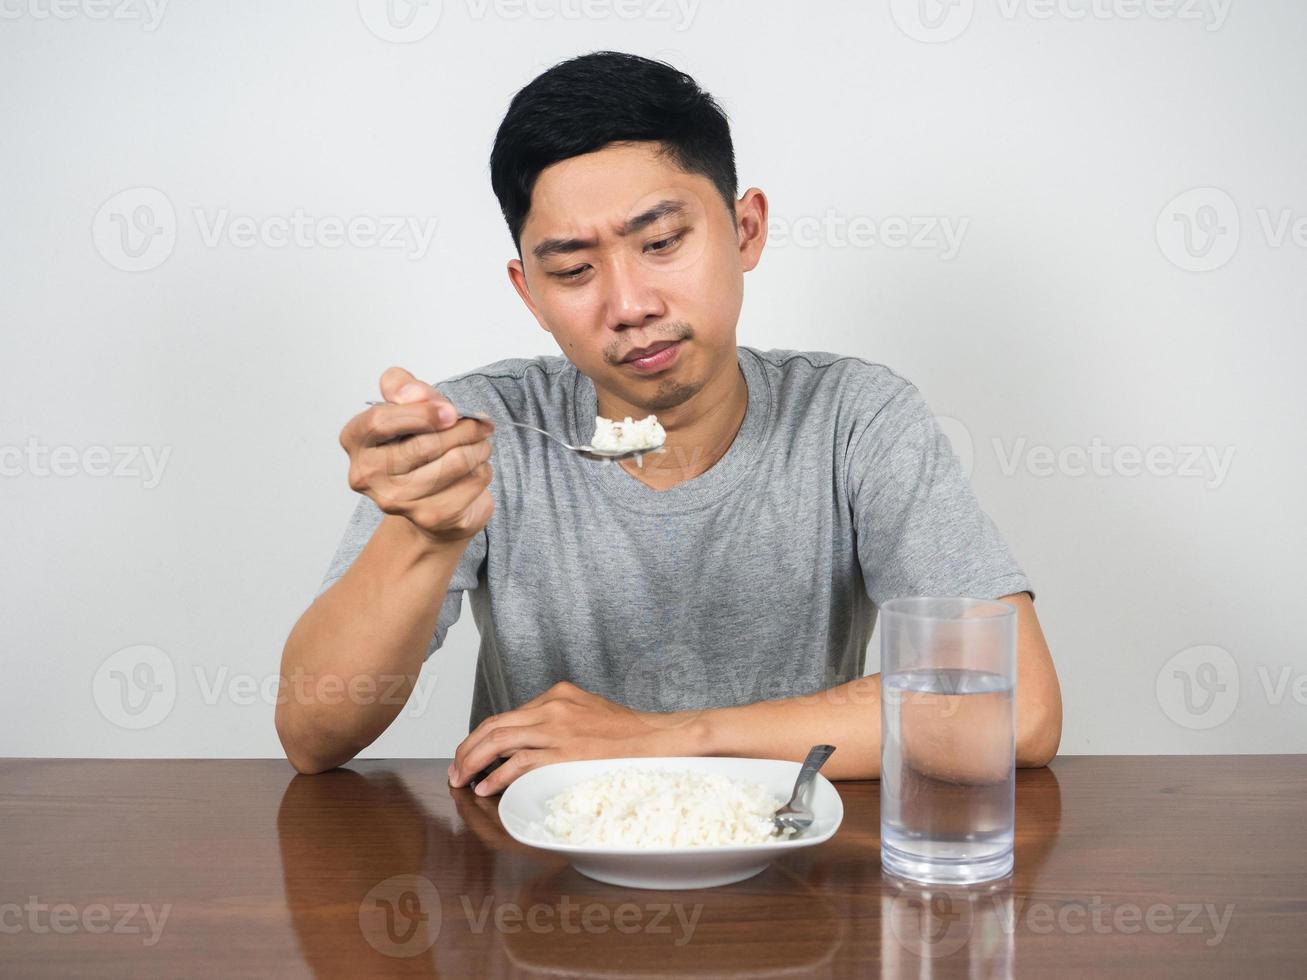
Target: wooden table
column 1125, row 866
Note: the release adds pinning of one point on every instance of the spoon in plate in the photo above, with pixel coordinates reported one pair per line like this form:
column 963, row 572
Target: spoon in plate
column 797, row 815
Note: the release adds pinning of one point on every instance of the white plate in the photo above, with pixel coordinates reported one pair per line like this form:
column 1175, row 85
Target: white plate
column 523, row 804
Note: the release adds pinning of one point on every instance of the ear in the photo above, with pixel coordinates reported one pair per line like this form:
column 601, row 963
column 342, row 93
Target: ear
column 517, row 276
column 751, row 226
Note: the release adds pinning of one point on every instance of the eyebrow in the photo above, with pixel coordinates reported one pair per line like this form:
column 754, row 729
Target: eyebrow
column 563, row 246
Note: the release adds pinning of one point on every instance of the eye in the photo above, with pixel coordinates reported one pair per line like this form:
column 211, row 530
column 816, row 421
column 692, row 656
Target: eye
column 569, row 275
column 664, row 245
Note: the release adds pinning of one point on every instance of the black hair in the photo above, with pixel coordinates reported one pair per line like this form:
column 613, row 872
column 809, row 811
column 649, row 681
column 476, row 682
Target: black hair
column 583, row 104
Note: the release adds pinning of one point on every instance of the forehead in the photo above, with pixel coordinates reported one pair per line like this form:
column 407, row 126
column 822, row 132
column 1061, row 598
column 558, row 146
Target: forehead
column 598, row 191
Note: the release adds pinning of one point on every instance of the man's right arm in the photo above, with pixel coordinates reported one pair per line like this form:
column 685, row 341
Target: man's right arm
column 353, row 658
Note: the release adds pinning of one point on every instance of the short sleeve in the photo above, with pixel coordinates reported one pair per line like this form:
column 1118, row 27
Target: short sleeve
column 920, row 529
column 364, row 521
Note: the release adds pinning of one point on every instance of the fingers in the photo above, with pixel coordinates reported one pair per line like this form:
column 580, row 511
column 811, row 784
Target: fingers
column 468, row 756
column 381, row 448
column 519, row 763
column 399, row 386
column 518, row 717
column 466, row 502
column 500, row 741
column 384, row 423
column 458, row 771
column 437, row 459
column 393, row 379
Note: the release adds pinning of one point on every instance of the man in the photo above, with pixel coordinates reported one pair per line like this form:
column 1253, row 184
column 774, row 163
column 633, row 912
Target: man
column 716, row 600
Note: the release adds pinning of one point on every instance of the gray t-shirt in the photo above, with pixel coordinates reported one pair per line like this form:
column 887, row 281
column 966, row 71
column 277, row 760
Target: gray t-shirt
column 757, row 579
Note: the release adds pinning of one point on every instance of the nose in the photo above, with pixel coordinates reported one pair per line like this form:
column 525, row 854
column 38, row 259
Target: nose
column 632, row 299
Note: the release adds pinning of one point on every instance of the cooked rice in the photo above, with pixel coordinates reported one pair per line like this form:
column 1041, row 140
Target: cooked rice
column 662, row 808
column 627, row 435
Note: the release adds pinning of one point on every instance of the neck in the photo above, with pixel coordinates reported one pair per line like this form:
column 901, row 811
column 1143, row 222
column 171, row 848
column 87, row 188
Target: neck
column 699, row 431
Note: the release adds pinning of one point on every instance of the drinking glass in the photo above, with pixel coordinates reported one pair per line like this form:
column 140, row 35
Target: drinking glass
column 948, row 749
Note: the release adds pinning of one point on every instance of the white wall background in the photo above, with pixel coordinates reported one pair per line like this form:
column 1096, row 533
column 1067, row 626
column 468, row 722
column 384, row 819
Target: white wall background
column 1057, row 138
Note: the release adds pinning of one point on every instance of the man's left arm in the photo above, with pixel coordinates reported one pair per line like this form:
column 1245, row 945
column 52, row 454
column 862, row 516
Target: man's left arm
column 848, row 716
column 567, row 723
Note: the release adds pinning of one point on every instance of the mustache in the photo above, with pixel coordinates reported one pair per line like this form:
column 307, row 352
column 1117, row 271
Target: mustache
column 680, row 330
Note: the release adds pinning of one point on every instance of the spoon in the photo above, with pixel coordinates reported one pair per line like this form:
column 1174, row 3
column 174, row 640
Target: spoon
column 589, row 452
column 797, row 814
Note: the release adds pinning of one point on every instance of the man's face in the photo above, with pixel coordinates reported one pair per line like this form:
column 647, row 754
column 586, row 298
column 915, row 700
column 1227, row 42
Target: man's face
column 623, row 252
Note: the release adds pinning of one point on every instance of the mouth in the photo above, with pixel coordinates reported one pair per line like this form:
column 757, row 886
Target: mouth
column 654, row 357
